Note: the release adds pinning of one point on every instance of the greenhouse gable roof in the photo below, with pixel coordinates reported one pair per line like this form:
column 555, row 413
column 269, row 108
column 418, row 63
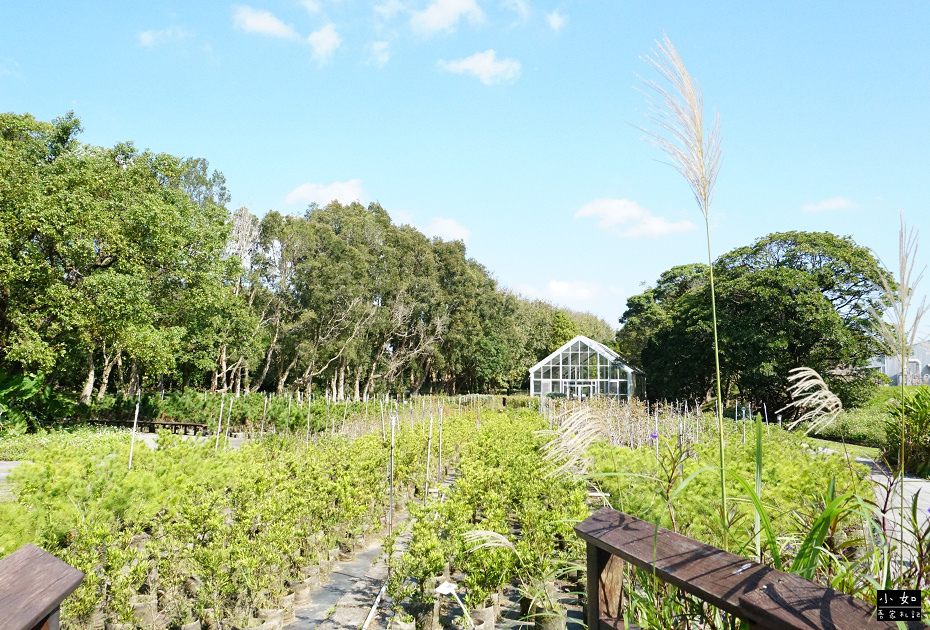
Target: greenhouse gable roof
column 594, row 345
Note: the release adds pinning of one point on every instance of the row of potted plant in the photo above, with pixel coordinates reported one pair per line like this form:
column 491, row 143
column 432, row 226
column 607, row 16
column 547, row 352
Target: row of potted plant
column 504, row 522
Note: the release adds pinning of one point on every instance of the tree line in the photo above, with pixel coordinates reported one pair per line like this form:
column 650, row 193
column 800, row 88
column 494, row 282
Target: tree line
column 122, row 268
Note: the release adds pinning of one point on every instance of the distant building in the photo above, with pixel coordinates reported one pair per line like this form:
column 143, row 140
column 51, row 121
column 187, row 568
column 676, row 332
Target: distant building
column 582, row 368
column 918, row 365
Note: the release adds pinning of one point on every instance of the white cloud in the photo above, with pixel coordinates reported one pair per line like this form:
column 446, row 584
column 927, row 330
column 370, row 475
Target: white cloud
column 448, row 229
column 521, row 7
column 837, row 203
column 322, row 194
column 153, row 37
column 378, row 53
column 556, row 20
column 389, row 8
column 324, row 41
column 573, row 291
column 264, row 22
column 312, row 6
column 444, row 15
column 627, row 218
column 485, row 66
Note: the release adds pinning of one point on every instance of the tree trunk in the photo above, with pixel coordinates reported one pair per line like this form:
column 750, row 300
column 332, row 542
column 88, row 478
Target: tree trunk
column 425, row 366
column 357, row 383
column 133, row 380
column 370, row 381
column 271, row 346
column 222, row 362
column 89, row 383
column 283, row 378
column 342, row 382
column 105, row 377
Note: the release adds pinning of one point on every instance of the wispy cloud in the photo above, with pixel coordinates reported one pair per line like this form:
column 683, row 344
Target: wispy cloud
column 568, row 292
column 388, row 9
column 378, row 54
column 312, row 6
column 556, row 20
column 8, row 67
column 836, row 203
column 448, row 229
column 628, row 218
column 324, row 42
column 263, row 22
column 153, row 37
column 521, row 7
column 322, row 194
column 486, row 66
column 444, row 15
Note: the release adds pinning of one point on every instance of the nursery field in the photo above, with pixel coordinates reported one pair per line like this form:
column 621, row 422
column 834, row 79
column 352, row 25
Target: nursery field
column 196, row 532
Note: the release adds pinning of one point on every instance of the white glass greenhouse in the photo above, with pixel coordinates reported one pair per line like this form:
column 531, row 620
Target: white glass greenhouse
column 582, row 368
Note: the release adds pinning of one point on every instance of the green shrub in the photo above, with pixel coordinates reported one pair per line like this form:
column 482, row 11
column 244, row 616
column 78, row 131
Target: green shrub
column 916, row 408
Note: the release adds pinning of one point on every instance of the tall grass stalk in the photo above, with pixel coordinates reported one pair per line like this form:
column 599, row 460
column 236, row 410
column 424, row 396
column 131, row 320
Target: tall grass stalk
column 899, row 334
column 677, row 112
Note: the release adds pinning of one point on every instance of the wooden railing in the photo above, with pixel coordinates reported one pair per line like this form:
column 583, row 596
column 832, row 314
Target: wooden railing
column 33, row 583
column 765, row 598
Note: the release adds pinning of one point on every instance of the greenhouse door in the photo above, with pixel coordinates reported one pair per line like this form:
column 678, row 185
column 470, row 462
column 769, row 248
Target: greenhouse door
column 581, row 391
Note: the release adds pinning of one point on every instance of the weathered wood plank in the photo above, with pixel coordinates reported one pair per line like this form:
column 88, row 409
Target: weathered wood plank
column 33, row 584
column 747, row 589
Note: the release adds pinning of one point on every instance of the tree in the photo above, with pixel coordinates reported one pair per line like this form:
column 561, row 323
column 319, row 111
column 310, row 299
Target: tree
column 775, row 313
column 563, row 330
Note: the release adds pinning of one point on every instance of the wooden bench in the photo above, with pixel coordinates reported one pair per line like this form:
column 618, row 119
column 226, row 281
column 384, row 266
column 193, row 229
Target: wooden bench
column 33, row 583
column 767, row 599
column 147, row 425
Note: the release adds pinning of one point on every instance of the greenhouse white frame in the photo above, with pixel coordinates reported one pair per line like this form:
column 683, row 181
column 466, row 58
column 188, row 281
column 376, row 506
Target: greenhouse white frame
column 582, row 368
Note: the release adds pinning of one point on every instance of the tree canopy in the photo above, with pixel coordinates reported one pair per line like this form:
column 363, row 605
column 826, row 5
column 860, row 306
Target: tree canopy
column 790, row 299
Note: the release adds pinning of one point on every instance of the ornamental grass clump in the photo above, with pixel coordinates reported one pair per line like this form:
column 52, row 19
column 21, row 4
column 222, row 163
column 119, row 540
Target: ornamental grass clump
column 899, row 334
column 810, row 393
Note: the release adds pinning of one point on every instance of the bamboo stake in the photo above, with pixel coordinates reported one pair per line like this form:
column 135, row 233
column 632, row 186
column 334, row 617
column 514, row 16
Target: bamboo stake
column 308, row 422
column 429, row 448
column 135, row 421
column 228, row 418
column 391, row 511
column 439, row 470
column 219, row 427
column 287, row 422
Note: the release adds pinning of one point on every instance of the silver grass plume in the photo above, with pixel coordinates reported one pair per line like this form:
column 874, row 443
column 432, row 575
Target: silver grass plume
column 809, row 391
column 482, row 538
column 567, row 450
column 677, row 114
column 898, row 336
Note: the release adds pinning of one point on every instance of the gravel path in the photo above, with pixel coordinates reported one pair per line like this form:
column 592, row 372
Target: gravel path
column 913, row 487
column 6, row 489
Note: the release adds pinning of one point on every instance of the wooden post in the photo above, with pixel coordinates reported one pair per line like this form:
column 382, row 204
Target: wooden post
column 605, row 586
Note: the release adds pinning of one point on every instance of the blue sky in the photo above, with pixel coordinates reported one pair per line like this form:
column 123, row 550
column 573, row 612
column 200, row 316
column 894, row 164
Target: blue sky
column 509, row 123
